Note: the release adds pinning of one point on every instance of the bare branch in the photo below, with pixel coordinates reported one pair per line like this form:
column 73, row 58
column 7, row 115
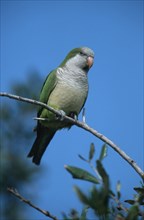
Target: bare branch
column 85, row 127
column 44, row 212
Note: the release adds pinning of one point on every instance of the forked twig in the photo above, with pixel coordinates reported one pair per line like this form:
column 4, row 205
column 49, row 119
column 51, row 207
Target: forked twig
column 16, row 194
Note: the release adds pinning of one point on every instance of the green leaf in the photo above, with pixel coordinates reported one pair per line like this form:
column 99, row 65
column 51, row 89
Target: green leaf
column 133, row 213
column 130, row 201
column 81, row 174
column 103, row 174
column 112, row 193
column 84, row 213
column 103, row 153
column 139, row 190
column 118, row 188
column 140, row 195
column 98, row 200
column 82, row 158
column 92, row 151
column 83, row 198
column 118, row 195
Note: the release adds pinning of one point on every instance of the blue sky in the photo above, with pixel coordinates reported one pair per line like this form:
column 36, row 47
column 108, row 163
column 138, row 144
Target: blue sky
column 38, row 35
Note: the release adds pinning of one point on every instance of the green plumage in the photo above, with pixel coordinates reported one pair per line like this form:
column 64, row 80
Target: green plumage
column 65, row 88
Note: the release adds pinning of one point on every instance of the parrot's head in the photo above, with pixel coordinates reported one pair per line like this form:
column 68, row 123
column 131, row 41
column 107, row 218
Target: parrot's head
column 82, row 58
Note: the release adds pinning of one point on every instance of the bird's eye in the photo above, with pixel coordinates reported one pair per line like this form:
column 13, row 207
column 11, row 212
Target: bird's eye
column 81, row 53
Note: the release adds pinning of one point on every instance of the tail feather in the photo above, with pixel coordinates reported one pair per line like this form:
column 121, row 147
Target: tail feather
column 44, row 136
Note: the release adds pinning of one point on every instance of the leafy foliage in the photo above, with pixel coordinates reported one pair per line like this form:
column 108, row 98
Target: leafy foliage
column 81, row 174
column 91, row 152
column 102, row 200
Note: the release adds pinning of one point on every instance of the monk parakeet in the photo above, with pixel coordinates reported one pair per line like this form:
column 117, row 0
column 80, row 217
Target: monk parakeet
column 65, row 89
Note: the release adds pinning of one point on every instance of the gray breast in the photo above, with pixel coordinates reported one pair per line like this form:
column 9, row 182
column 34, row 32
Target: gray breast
column 70, row 92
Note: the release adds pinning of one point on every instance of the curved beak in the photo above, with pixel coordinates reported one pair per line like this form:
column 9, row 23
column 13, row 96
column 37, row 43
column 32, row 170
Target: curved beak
column 90, row 61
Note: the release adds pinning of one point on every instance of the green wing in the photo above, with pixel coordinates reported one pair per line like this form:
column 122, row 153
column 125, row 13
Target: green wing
column 48, row 86
column 84, row 102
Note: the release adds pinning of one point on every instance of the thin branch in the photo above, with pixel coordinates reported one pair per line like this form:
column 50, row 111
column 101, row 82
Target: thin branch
column 120, row 206
column 44, row 212
column 85, row 127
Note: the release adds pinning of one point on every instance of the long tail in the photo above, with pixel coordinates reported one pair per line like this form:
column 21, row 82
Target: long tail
column 44, row 136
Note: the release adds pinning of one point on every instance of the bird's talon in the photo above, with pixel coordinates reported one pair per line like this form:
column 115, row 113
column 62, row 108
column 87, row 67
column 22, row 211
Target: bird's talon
column 73, row 115
column 61, row 116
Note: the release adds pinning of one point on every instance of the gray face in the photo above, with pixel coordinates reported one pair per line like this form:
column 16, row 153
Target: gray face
column 87, row 51
column 81, row 58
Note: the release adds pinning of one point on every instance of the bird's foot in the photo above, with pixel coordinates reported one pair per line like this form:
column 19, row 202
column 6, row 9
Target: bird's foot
column 61, row 116
column 73, row 115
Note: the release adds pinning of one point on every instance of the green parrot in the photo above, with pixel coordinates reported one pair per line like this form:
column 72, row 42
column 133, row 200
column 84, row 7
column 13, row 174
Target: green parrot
column 65, row 89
